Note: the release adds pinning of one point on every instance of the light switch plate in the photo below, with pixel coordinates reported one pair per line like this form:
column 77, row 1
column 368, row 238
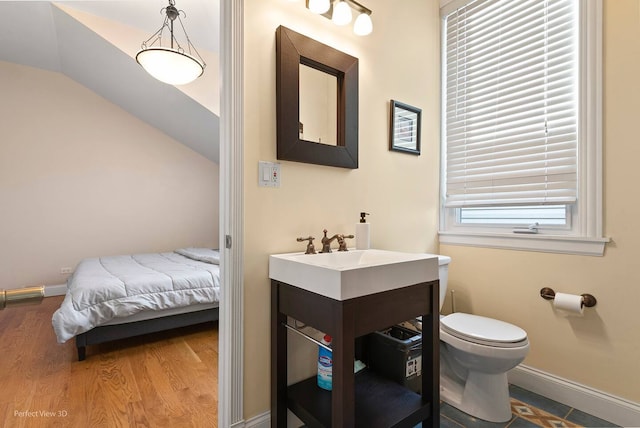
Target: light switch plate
column 268, row 174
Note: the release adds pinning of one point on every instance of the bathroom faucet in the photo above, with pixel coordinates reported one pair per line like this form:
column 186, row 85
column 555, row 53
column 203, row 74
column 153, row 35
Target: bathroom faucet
column 342, row 244
column 326, row 242
column 311, row 249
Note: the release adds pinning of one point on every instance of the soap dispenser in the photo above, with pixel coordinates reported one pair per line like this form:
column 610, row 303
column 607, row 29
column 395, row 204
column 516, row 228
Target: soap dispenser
column 362, row 233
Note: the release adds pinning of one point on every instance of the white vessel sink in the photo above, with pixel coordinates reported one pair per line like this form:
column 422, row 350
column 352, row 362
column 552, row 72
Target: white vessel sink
column 343, row 275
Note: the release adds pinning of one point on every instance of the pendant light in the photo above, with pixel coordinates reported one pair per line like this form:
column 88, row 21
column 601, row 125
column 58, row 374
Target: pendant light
column 171, row 64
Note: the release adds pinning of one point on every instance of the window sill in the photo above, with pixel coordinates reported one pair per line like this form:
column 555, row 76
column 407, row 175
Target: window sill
column 584, row 246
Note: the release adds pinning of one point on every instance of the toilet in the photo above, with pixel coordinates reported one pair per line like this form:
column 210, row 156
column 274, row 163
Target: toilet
column 475, row 355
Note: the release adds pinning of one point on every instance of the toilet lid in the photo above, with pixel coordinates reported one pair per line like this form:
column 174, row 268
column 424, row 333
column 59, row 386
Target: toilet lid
column 483, row 330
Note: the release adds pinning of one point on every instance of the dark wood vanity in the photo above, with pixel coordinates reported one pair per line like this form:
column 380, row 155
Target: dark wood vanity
column 364, row 399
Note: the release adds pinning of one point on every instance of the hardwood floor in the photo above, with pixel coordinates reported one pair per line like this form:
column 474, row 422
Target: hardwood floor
column 167, row 379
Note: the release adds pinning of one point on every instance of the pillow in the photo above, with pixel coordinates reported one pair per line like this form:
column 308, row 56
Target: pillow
column 206, row 255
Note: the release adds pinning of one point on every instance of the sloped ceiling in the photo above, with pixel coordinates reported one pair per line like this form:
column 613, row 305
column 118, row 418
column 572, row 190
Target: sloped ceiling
column 44, row 35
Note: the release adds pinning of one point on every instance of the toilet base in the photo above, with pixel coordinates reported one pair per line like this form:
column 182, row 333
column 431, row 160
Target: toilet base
column 485, row 396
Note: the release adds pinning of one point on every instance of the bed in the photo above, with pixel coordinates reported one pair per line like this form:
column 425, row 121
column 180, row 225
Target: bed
column 116, row 297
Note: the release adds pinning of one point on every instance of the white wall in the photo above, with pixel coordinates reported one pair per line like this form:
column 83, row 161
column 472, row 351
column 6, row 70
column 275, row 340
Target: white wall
column 80, row 177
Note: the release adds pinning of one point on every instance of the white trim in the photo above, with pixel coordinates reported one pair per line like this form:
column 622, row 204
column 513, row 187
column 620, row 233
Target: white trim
column 448, row 6
column 589, row 239
column 541, row 243
column 262, row 420
column 55, row 290
column 231, row 339
column 591, row 68
column 597, row 403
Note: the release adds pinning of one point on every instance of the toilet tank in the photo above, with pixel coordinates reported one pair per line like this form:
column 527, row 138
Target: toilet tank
column 443, row 275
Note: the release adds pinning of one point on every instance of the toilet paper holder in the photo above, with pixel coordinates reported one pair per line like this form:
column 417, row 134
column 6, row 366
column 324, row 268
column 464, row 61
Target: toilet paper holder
column 587, row 299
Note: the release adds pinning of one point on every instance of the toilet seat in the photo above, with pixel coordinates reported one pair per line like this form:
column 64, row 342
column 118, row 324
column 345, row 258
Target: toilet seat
column 483, row 330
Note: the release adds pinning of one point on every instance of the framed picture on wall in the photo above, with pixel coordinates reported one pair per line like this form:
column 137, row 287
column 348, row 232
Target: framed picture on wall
column 404, row 133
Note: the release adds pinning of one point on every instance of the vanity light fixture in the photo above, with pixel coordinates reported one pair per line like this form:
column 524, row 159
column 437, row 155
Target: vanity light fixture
column 363, row 24
column 340, row 12
column 319, row 6
column 172, row 64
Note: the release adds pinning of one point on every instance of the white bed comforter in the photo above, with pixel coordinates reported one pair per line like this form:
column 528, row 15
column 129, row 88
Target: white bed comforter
column 105, row 288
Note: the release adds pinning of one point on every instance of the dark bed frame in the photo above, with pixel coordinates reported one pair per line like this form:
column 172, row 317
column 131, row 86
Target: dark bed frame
column 108, row 333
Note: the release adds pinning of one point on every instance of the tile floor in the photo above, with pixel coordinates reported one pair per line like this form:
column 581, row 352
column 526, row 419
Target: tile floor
column 529, row 411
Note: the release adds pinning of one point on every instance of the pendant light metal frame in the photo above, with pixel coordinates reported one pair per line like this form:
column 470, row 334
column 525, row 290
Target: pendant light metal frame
column 154, row 44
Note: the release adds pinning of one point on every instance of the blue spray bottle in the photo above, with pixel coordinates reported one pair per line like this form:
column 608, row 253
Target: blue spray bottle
column 325, row 364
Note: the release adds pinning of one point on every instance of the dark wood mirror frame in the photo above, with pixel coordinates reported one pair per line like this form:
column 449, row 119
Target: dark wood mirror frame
column 293, row 49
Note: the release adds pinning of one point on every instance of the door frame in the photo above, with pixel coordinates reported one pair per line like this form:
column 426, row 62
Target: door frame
column 231, row 334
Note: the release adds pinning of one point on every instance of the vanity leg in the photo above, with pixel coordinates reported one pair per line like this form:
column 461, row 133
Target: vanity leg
column 431, row 356
column 343, row 346
column 278, row 362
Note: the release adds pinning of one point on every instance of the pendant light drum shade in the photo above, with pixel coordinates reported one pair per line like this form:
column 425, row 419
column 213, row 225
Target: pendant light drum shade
column 169, row 65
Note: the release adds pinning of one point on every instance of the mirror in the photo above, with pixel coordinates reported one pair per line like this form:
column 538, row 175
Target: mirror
column 308, row 112
column 318, row 106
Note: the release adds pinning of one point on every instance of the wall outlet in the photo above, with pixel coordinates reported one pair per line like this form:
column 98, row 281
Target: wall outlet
column 268, row 174
column 66, row 270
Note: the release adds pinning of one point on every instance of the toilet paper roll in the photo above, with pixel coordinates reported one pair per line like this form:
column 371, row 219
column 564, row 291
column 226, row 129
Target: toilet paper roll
column 570, row 303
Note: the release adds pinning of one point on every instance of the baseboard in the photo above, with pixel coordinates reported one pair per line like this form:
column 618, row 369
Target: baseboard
column 597, row 403
column 261, row 421
column 55, row 290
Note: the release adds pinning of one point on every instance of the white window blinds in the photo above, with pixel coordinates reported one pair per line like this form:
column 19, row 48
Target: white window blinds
column 511, row 103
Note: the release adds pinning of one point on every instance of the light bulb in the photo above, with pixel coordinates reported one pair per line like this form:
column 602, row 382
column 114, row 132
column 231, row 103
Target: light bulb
column 319, row 6
column 341, row 13
column 363, row 25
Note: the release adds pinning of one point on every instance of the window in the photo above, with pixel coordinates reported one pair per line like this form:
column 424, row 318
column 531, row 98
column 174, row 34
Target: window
column 521, row 164
column 536, row 215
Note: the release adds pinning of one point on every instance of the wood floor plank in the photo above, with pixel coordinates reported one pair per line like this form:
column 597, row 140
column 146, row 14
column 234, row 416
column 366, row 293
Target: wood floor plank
column 167, row 379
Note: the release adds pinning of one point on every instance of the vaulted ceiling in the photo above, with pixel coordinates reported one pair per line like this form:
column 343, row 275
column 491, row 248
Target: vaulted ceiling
column 95, row 42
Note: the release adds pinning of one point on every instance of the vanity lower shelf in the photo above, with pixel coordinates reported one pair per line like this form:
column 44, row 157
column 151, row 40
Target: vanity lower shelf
column 379, row 402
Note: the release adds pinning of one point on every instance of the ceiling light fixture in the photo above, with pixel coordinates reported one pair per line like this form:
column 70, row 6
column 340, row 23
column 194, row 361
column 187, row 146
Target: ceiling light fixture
column 340, row 12
column 172, row 65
